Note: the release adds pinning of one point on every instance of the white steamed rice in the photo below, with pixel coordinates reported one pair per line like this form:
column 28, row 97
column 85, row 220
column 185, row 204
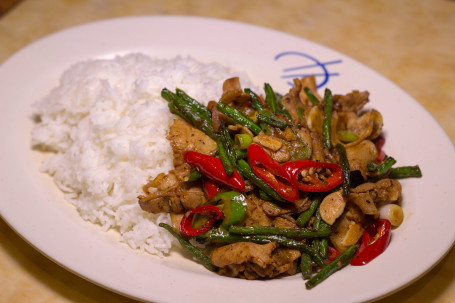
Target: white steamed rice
column 107, row 124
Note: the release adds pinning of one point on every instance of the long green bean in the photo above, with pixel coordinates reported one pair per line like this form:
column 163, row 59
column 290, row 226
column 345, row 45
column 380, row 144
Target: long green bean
column 305, row 216
column 255, row 102
column 287, row 232
column 340, row 261
column 270, row 97
column 311, row 96
column 238, row 117
column 405, row 172
column 222, row 154
column 344, row 163
column 327, row 123
column 193, row 250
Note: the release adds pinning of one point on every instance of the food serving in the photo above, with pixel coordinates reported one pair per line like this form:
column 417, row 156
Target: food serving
column 297, row 179
column 278, row 184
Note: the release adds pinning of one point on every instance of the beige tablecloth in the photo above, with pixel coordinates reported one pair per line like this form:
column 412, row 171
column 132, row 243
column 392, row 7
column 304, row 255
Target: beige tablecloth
column 411, row 42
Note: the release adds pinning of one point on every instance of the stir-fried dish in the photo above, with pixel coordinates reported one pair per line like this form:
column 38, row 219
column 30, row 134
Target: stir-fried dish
column 270, row 185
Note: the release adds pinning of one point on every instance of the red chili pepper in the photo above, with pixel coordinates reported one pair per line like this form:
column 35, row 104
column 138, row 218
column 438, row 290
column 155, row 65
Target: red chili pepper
column 333, row 253
column 272, row 173
column 375, row 240
column 210, row 187
column 313, row 183
column 212, row 212
column 213, row 169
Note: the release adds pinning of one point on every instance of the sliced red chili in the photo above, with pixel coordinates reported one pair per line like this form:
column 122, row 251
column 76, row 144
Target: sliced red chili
column 374, row 242
column 272, row 173
column 333, row 253
column 312, row 182
column 213, row 168
column 210, row 187
column 212, row 213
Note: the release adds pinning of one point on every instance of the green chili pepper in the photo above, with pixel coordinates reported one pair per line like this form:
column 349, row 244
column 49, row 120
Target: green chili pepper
column 234, row 207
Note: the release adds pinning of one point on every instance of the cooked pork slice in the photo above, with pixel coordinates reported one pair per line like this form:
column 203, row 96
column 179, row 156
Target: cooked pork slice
column 360, row 155
column 348, row 229
column 296, row 97
column 170, row 193
column 255, row 261
column 255, row 215
column 233, row 93
column 352, row 102
column 367, row 196
column 184, row 137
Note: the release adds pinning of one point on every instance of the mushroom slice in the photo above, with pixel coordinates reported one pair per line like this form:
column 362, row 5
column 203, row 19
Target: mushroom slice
column 332, row 207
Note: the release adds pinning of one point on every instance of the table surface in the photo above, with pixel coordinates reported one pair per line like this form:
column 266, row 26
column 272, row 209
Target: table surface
column 411, row 42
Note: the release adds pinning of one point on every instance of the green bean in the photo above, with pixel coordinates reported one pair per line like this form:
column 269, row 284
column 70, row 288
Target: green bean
column 193, row 250
column 381, row 169
column 301, row 113
column 245, row 170
column 222, row 154
column 255, row 102
column 269, row 118
column 305, row 266
column 287, row 232
column 228, row 143
column 313, row 99
column 203, row 110
column 194, row 176
column 340, row 261
column 327, row 123
column 324, row 242
column 218, row 237
column 316, row 225
column 305, row 216
column 187, row 113
column 280, row 107
column 238, row 117
column 241, row 154
column 270, row 98
column 344, row 163
column 405, row 172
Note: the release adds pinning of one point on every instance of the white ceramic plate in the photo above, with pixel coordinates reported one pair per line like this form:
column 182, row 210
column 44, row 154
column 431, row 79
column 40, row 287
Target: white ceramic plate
column 33, row 206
